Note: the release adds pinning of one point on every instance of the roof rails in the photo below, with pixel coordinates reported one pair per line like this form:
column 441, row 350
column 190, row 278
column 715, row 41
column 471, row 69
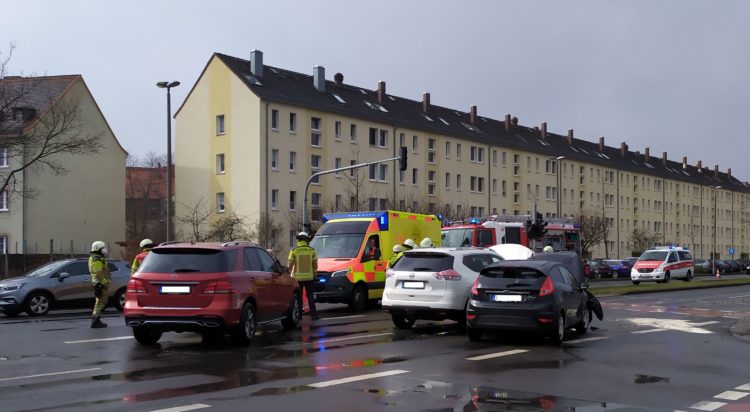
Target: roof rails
column 171, row 242
column 237, row 243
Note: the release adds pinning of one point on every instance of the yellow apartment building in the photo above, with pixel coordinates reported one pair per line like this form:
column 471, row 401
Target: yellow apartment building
column 249, row 135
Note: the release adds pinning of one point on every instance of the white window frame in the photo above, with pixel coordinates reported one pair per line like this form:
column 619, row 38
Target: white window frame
column 274, row 199
column 4, row 157
column 337, row 130
column 221, row 205
column 293, row 162
column 274, row 159
column 220, row 164
column 275, row 120
column 292, row 122
column 220, row 125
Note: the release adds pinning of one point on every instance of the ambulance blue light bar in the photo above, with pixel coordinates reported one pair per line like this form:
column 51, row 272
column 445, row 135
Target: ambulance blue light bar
column 382, row 217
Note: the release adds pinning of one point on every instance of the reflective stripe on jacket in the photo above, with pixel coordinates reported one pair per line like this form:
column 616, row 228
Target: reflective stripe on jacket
column 98, row 269
column 304, row 261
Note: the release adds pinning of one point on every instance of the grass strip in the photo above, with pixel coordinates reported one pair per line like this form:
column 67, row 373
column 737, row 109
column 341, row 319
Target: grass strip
column 665, row 287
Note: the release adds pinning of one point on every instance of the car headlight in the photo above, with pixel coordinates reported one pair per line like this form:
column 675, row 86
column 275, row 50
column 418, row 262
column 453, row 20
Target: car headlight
column 340, row 273
column 8, row 288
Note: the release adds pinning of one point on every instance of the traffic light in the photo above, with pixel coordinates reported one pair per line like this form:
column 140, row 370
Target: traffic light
column 536, row 229
column 402, row 159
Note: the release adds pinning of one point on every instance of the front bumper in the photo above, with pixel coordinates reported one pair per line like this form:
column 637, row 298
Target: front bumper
column 335, row 290
column 647, row 277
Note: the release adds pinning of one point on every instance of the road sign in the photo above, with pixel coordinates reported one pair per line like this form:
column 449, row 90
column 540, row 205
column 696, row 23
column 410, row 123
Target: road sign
column 731, row 251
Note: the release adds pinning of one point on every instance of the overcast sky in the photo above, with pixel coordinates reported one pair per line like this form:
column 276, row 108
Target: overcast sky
column 670, row 75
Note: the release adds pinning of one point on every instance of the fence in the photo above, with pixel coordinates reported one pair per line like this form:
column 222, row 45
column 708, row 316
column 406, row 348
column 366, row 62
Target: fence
column 15, row 262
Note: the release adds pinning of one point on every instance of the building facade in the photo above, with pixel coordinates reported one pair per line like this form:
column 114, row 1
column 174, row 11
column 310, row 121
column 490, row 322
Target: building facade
column 60, row 209
column 248, row 137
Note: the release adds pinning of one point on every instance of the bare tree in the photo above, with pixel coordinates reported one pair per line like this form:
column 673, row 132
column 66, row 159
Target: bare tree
column 594, row 229
column 198, row 218
column 358, row 190
column 642, row 239
column 227, row 226
column 37, row 129
column 267, row 232
column 144, row 211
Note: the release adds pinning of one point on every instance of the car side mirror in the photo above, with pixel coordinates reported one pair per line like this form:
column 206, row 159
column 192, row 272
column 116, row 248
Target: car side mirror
column 584, row 285
column 63, row 276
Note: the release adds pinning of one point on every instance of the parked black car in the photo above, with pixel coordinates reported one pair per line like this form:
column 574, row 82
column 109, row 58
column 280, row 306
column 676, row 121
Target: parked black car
column 529, row 295
column 735, row 266
column 599, row 269
column 744, row 264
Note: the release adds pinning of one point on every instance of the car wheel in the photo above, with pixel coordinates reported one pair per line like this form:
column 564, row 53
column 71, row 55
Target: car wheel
column 689, row 276
column 119, row 300
column 293, row 314
column 666, row 278
column 635, row 282
column 244, row 333
column 557, row 335
column 358, row 302
column 146, row 336
column 38, row 304
column 402, row 320
column 11, row 313
column 583, row 326
column 474, row 334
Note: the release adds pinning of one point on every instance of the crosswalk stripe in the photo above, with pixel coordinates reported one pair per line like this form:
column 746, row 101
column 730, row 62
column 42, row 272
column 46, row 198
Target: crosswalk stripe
column 497, row 354
column 357, row 378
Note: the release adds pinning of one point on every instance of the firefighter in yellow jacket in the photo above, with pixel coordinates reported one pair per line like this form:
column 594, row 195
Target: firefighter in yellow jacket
column 303, row 265
column 100, row 278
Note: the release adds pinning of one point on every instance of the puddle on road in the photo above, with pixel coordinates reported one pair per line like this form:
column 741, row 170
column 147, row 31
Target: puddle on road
column 649, row 379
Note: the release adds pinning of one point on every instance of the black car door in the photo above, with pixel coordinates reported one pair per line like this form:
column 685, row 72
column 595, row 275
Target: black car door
column 571, row 295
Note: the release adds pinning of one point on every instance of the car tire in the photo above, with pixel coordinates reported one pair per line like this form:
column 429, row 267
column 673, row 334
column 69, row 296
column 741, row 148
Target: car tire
column 583, row 326
column 146, row 336
column 666, row 278
column 689, row 276
column 38, row 303
column 11, row 313
column 401, row 320
column 635, row 282
column 556, row 336
column 294, row 313
column 358, row 301
column 118, row 301
column 474, row 334
column 244, row 333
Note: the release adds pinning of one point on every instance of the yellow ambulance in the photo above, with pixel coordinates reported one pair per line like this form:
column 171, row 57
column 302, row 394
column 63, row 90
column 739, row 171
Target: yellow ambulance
column 353, row 250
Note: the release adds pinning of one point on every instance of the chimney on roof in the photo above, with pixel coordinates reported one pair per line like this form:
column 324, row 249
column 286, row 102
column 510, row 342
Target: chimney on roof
column 514, row 121
column 729, row 172
column 623, row 149
column 339, row 79
column 699, row 166
column 645, row 154
column 256, row 63
column 544, row 130
column 601, row 144
column 473, row 114
column 381, row 92
column 684, row 162
column 507, row 122
column 664, row 158
column 319, row 78
column 716, row 170
column 426, row 102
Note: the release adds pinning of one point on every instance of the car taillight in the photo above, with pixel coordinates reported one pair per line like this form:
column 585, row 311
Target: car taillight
column 215, row 288
column 389, row 272
column 547, row 287
column 136, row 286
column 474, row 290
column 449, row 274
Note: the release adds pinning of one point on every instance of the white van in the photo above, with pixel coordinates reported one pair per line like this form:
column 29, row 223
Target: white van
column 663, row 263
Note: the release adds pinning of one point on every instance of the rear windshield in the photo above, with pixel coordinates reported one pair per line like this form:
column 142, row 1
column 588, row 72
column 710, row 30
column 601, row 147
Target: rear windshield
column 654, row 255
column 424, row 262
column 192, row 260
column 513, row 273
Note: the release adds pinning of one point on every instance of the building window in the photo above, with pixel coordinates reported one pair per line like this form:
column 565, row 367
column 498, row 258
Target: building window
column 315, row 166
column 401, row 176
column 415, row 143
column 494, row 186
column 337, row 165
column 220, row 124
column 447, row 181
column 274, row 198
column 315, row 200
column 220, row 202
column 292, row 161
column 3, row 244
column 472, row 184
column 274, row 159
column 315, row 131
column 447, row 150
column 383, row 142
column 373, row 136
column 337, row 131
column 352, row 172
column 414, row 176
column 378, row 173
column 220, row 164
column 458, row 151
column 550, row 167
column 476, row 154
column 383, row 173
column 275, row 119
column 494, row 157
column 458, row 182
column 292, row 122
column 4, row 157
column 337, row 205
column 503, row 158
column 402, row 140
column 292, row 200
column 353, row 133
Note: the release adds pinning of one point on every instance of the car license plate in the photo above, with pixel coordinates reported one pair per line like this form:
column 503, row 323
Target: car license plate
column 175, row 289
column 507, row 298
column 413, row 285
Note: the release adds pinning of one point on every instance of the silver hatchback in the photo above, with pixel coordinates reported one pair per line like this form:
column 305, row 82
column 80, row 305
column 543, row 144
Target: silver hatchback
column 63, row 283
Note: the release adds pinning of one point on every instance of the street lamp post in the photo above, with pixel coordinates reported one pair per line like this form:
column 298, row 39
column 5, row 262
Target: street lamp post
column 168, row 86
column 713, row 254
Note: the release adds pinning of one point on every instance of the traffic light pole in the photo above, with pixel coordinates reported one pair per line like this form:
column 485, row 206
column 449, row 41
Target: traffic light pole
column 305, row 224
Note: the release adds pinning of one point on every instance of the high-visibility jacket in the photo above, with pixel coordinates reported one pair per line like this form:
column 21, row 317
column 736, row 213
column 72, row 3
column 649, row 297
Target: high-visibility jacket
column 304, row 262
column 392, row 261
column 138, row 260
column 99, row 269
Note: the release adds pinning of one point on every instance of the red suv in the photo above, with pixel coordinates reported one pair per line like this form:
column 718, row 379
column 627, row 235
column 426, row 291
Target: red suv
column 210, row 288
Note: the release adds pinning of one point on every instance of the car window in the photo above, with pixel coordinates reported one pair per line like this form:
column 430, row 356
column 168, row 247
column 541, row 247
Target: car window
column 513, row 273
column 672, row 257
column 76, row 269
column 479, row 261
column 267, row 263
column 485, row 238
column 567, row 276
column 251, row 260
column 112, row 267
column 424, row 262
column 557, row 276
column 185, row 260
column 654, row 255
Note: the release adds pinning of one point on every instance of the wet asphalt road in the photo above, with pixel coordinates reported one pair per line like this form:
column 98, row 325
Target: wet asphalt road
column 665, row 351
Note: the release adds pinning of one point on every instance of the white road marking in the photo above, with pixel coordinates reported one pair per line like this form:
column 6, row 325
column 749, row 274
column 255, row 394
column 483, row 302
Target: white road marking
column 731, row 395
column 326, row 341
column 343, row 317
column 649, row 330
column 707, row 405
column 99, row 340
column 184, row 408
column 745, row 387
column 674, row 324
column 497, row 354
column 357, row 378
column 48, row 374
column 740, row 296
column 586, row 339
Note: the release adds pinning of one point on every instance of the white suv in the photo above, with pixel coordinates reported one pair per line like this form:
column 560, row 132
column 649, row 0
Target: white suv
column 433, row 284
column 662, row 264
